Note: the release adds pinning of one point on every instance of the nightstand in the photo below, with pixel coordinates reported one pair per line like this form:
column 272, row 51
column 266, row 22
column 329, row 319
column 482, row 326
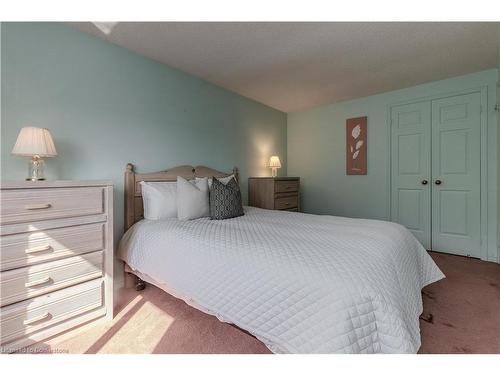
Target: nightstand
column 274, row 193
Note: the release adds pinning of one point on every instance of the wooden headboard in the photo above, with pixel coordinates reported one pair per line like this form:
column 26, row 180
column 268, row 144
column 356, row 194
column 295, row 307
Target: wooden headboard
column 133, row 194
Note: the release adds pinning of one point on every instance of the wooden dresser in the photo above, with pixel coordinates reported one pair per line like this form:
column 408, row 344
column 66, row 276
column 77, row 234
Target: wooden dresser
column 274, row 193
column 56, row 258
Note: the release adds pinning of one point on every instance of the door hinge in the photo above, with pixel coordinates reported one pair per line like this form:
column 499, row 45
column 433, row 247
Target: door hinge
column 497, row 107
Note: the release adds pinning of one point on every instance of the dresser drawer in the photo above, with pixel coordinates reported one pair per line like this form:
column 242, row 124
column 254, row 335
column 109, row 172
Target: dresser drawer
column 286, row 203
column 24, row 318
column 28, row 282
column 25, row 249
column 284, row 186
column 25, row 205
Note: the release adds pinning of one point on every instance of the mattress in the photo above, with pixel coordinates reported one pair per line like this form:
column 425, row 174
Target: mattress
column 300, row 283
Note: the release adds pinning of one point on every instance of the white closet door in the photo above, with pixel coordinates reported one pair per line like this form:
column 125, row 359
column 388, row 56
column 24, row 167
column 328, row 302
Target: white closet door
column 411, row 169
column 456, row 170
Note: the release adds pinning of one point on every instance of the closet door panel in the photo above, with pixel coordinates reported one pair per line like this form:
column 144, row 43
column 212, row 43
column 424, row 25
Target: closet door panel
column 410, row 169
column 456, row 163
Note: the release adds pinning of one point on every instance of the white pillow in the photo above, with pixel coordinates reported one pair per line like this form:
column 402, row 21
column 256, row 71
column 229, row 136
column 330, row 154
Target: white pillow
column 192, row 198
column 159, row 199
column 224, row 180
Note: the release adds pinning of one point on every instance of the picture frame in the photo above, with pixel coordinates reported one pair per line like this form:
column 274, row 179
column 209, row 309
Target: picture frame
column 356, row 146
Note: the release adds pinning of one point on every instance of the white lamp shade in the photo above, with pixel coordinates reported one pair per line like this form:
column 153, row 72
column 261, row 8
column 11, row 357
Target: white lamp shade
column 33, row 141
column 274, row 162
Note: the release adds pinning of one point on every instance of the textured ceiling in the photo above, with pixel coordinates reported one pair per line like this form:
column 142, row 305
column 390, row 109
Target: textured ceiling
column 297, row 66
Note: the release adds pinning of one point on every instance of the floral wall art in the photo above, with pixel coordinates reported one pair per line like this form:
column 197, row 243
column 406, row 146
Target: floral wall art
column 356, row 146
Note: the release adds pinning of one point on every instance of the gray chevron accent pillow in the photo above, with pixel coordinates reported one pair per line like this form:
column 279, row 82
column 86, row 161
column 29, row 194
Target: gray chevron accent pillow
column 225, row 200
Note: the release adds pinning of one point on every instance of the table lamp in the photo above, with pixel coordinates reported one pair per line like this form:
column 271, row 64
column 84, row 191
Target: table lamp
column 274, row 164
column 36, row 143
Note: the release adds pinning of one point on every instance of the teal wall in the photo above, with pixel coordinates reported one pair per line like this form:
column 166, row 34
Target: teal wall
column 316, row 152
column 107, row 106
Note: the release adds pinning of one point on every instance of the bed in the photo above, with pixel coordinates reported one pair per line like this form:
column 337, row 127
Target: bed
column 300, row 283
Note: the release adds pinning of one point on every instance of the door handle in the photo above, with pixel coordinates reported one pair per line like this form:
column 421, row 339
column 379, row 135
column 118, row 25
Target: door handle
column 425, row 182
column 438, row 182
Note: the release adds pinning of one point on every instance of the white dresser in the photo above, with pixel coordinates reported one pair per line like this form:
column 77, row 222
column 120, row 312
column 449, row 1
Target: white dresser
column 56, row 258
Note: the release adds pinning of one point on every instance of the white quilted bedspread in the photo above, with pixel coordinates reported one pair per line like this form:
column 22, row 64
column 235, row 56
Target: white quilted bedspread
column 300, row 283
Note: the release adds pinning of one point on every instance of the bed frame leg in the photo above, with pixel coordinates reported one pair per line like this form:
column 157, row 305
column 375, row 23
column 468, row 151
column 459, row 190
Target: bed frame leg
column 140, row 284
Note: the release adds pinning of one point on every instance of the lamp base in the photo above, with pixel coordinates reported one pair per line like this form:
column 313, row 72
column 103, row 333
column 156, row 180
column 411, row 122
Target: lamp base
column 36, row 167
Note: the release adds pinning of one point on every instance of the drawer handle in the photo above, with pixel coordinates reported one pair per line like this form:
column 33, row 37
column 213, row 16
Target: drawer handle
column 37, row 206
column 287, row 204
column 31, row 284
column 38, row 249
column 37, row 318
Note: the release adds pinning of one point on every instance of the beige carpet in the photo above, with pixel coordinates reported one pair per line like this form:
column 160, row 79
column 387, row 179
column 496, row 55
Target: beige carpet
column 462, row 315
column 152, row 321
column 462, row 312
